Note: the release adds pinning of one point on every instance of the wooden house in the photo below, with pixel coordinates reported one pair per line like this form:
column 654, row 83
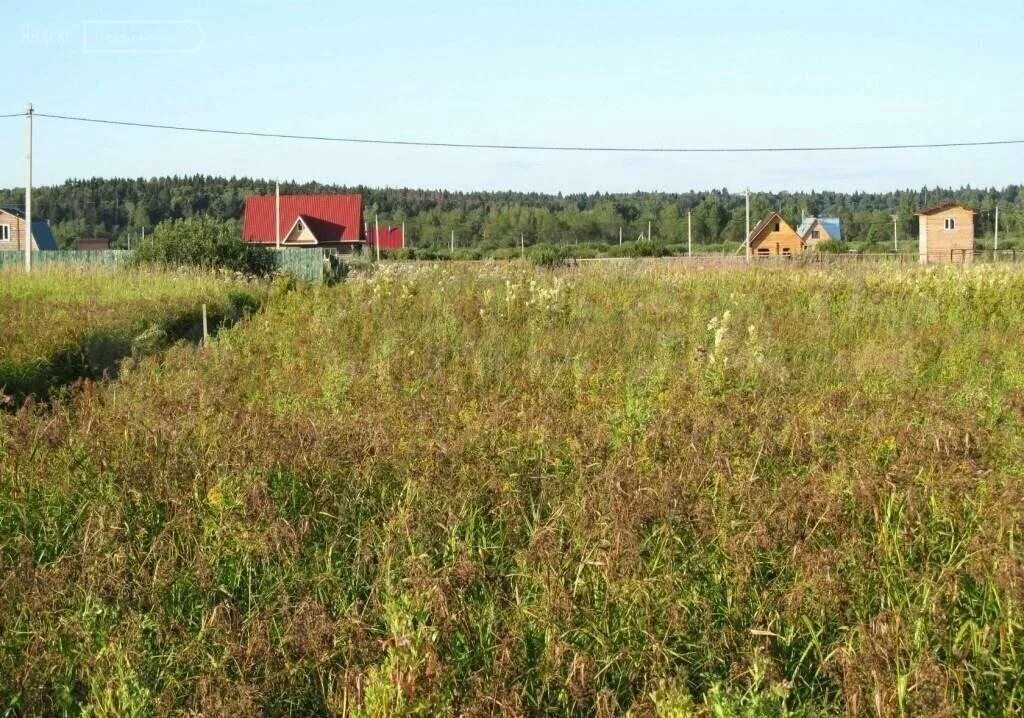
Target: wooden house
column 774, row 237
column 946, row 234
column 13, row 232
column 314, row 220
column 815, row 230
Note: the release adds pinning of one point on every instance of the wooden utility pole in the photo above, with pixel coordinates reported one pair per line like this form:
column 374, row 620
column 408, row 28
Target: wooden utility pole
column 895, row 231
column 26, row 237
column 995, row 247
column 452, row 249
column 277, row 215
column 403, row 235
column 747, row 241
column 649, row 239
column 689, row 234
column 376, row 236
column 620, row 234
column 522, row 246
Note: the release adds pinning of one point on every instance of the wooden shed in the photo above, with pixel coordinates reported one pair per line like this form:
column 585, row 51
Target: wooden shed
column 774, row 237
column 946, row 234
column 91, row 244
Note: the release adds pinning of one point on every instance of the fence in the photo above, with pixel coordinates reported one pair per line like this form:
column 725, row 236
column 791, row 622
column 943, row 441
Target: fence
column 307, row 264
column 99, row 258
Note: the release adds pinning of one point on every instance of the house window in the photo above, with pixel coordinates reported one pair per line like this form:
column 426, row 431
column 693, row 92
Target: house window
column 763, row 252
column 777, row 225
column 815, row 234
column 786, row 252
column 5, row 232
column 950, row 222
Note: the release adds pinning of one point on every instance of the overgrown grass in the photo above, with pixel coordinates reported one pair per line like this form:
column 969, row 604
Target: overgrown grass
column 63, row 323
column 509, row 491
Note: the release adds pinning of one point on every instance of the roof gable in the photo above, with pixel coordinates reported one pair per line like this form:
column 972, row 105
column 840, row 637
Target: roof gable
column 831, row 225
column 331, row 217
column 767, row 225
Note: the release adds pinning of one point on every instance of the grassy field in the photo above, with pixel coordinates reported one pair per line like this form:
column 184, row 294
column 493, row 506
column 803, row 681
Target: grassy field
column 489, row 490
column 63, row 323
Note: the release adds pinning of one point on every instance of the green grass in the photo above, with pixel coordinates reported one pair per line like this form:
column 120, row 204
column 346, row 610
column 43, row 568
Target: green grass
column 481, row 490
column 64, row 323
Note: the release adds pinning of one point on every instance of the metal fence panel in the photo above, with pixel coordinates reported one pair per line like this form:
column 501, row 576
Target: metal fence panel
column 307, row 264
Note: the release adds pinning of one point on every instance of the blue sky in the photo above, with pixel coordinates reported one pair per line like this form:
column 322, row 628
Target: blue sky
column 591, row 73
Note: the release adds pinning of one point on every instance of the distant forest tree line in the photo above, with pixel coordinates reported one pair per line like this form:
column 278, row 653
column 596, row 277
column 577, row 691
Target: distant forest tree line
column 119, row 208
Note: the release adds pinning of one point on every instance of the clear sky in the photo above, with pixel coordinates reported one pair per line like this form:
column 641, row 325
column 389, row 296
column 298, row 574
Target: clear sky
column 727, row 73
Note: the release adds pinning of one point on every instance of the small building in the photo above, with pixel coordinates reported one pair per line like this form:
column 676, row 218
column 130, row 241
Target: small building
column 388, row 237
column 815, row 230
column 306, row 220
column 13, row 234
column 774, row 237
column 946, row 234
column 91, row 244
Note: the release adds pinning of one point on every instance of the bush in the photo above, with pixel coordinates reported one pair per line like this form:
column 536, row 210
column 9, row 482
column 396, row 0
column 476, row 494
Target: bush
column 505, row 253
column 467, row 254
column 544, row 255
column 638, row 249
column 204, row 242
column 405, row 253
column 831, row 246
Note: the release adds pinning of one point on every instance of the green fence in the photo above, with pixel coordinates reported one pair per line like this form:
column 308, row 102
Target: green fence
column 100, row 258
column 305, row 264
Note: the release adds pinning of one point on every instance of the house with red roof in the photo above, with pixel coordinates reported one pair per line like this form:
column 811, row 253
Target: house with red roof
column 306, row 220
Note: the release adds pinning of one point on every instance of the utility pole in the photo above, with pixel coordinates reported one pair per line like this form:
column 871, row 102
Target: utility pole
column 403, row 235
column 895, row 229
column 27, row 233
column 522, row 246
column 376, row 236
column 649, row 231
column 620, row 234
column 689, row 234
column 995, row 247
column 747, row 241
column 452, row 250
column 277, row 215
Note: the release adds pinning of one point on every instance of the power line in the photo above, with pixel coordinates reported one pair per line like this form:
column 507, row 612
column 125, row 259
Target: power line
column 543, row 148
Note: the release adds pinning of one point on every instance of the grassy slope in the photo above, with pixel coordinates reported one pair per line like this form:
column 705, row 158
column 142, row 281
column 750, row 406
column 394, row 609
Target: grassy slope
column 492, row 490
column 60, row 323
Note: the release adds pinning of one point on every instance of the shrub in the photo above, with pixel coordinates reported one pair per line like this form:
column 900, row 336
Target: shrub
column 545, row 255
column 467, row 254
column 639, row 249
column 505, row 253
column 204, row 242
column 831, row 246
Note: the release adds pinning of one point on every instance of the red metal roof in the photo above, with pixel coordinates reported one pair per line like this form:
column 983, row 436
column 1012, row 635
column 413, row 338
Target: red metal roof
column 338, row 216
column 390, row 237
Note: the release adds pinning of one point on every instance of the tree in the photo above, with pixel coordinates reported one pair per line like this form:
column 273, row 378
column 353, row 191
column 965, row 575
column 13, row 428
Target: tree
column 204, row 242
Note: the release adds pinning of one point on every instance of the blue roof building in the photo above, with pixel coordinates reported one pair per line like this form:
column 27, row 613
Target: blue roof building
column 820, row 229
